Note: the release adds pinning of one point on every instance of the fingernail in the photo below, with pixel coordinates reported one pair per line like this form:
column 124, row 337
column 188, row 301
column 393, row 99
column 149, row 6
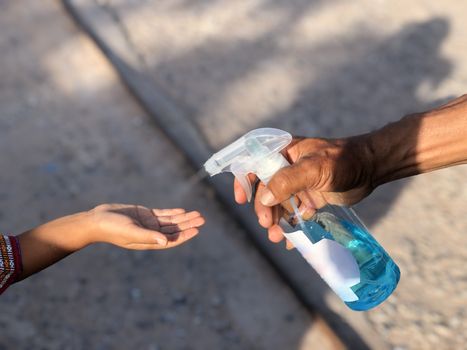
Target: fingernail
column 161, row 241
column 267, row 198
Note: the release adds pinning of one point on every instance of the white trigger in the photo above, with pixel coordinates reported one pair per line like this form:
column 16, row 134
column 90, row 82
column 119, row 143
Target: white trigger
column 242, row 176
column 243, row 179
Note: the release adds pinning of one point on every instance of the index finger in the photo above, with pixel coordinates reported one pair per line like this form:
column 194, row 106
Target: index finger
column 239, row 192
column 181, row 237
column 177, row 218
column 172, row 241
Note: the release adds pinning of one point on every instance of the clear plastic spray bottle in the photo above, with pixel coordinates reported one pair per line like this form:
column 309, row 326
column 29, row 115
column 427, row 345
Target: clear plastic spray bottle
column 334, row 241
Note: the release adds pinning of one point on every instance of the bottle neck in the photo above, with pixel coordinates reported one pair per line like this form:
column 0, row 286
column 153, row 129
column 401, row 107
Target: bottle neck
column 268, row 166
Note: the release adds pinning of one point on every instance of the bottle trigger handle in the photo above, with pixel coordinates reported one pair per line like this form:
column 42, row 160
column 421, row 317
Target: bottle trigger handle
column 242, row 178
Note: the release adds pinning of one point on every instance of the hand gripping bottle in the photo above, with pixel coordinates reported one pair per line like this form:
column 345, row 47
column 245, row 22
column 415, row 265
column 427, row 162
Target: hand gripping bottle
column 334, row 241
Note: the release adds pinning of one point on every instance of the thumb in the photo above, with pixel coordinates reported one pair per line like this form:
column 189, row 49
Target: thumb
column 143, row 235
column 305, row 174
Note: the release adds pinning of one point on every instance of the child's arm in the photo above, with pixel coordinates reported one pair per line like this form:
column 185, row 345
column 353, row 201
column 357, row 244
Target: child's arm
column 127, row 226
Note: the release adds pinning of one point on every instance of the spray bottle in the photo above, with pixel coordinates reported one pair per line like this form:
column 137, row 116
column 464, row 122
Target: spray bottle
column 334, row 241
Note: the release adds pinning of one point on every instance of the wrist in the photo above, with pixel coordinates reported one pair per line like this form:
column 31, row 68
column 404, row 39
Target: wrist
column 71, row 232
column 380, row 147
column 85, row 228
column 364, row 160
column 394, row 150
column 375, row 151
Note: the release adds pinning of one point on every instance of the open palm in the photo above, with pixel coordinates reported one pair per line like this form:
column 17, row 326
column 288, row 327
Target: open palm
column 138, row 227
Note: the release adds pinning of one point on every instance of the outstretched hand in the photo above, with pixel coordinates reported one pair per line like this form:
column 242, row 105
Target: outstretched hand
column 138, row 227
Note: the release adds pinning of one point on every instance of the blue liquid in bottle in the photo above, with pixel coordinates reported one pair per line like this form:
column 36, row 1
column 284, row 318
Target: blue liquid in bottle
column 379, row 274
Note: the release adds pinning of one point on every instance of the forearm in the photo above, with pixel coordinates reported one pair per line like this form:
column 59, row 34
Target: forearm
column 51, row 242
column 420, row 143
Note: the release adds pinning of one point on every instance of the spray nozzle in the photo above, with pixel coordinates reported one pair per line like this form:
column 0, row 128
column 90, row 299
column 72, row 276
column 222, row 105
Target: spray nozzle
column 256, row 152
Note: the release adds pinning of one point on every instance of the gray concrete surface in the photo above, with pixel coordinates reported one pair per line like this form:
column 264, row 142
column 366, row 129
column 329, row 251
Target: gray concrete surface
column 71, row 137
column 328, row 68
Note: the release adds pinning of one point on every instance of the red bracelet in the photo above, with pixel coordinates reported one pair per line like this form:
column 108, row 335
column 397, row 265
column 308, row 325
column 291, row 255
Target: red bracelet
column 10, row 261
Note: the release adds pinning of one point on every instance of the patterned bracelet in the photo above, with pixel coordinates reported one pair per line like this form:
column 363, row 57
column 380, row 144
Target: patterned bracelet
column 10, row 261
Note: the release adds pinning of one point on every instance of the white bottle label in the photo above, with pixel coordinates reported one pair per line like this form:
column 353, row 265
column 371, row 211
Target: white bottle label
column 335, row 264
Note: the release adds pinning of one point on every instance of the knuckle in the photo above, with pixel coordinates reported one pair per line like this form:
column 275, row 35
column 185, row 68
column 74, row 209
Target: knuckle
column 318, row 172
column 102, row 207
column 282, row 185
column 309, row 167
column 312, row 169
